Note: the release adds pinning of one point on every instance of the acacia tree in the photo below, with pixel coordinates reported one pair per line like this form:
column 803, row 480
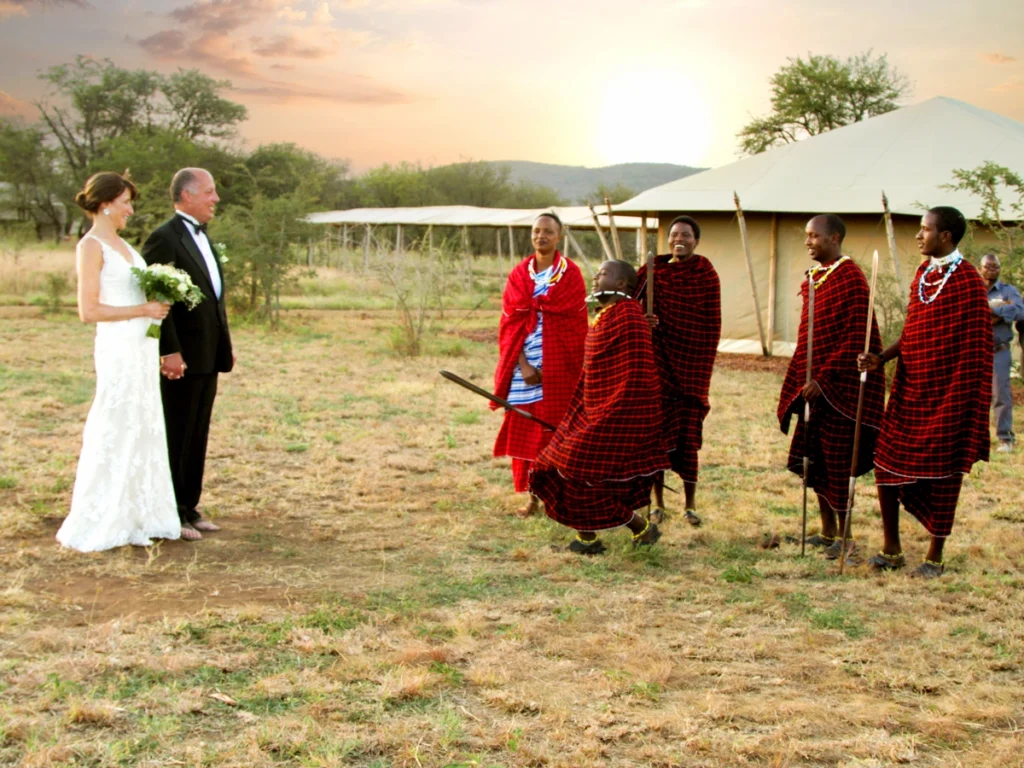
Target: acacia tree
column 823, row 93
column 36, row 187
column 1001, row 192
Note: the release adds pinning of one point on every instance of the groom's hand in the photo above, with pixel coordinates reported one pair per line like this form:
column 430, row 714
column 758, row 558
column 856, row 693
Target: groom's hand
column 173, row 366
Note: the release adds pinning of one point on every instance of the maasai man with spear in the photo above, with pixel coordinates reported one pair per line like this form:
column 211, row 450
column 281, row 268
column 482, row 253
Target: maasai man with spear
column 601, row 463
column 841, row 306
column 936, row 422
column 540, row 348
column 686, row 325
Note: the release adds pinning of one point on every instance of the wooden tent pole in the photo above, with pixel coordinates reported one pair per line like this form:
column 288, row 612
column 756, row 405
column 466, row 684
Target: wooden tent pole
column 582, row 255
column 750, row 273
column 366, row 249
column 890, row 232
column 497, row 240
column 511, row 250
column 773, row 268
column 641, row 247
column 600, row 233
column 613, row 228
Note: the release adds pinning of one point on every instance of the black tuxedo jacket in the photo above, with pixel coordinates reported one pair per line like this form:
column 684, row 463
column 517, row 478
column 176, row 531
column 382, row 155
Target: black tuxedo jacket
column 201, row 334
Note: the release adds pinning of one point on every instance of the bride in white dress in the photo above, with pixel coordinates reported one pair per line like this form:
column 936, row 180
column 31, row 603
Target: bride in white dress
column 123, row 492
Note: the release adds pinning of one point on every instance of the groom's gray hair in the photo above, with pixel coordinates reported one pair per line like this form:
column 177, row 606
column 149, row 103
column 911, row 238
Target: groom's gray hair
column 182, row 180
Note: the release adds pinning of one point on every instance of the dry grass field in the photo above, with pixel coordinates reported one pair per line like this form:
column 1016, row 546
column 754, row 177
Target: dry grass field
column 372, row 601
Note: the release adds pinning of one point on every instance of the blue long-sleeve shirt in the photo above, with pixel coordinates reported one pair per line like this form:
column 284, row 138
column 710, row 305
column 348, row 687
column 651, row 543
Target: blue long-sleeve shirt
column 1008, row 313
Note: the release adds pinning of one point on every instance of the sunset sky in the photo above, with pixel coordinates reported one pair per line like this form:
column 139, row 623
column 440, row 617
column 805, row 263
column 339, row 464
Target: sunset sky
column 563, row 81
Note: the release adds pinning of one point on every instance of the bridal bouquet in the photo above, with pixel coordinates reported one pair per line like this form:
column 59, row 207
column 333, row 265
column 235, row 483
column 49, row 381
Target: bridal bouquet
column 162, row 282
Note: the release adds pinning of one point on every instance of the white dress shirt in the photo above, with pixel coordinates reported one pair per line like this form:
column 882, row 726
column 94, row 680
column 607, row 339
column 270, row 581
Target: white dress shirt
column 203, row 244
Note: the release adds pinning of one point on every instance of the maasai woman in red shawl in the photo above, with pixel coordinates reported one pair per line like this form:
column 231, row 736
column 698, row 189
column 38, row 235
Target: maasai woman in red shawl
column 540, row 348
column 601, row 463
column 841, row 296
column 936, row 423
column 686, row 327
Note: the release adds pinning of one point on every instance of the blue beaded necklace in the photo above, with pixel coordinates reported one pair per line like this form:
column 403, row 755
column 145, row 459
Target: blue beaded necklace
column 933, row 267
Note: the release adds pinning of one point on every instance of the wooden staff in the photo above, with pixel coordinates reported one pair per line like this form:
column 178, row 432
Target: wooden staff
column 613, row 228
column 650, row 284
column 807, row 404
column 600, row 233
column 890, row 232
column 750, row 273
column 860, row 413
column 580, row 253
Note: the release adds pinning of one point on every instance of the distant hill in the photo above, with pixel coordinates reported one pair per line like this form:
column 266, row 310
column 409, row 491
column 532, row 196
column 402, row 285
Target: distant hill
column 575, row 182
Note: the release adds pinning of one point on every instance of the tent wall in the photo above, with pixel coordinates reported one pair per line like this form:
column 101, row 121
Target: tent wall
column 720, row 242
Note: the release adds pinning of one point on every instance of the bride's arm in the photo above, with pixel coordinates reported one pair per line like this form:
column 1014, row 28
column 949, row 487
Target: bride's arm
column 89, row 262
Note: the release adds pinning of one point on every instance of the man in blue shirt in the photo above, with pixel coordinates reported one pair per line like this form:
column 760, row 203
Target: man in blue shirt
column 1007, row 308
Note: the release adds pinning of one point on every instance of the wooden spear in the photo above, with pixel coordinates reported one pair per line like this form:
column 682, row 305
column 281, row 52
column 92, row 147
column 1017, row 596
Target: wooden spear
column 807, row 404
column 750, row 274
column 890, row 232
column 860, row 413
column 600, row 233
column 613, row 228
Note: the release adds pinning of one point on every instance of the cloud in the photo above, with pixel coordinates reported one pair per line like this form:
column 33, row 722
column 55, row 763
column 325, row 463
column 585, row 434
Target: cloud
column 10, row 8
column 350, row 93
column 168, row 44
column 322, row 14
column 1015, row 83
column 287, row 46
column 997, row 58
column 289, row 14
column 12, row 106
column 221, row 16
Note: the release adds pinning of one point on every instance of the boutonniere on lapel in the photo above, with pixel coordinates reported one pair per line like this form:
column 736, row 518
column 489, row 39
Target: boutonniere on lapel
column 221, row 251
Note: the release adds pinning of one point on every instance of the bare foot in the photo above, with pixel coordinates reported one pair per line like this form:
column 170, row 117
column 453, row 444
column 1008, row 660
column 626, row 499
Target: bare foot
column 205, row 525
column 188, row 533
column 530, row 510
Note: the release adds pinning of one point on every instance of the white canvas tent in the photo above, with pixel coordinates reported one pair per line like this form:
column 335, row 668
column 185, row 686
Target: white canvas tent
column 910, row 154
column 469, row 216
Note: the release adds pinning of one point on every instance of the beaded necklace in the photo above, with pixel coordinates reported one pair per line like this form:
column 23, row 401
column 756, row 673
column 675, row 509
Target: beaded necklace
column 952, row 261
column 813, row 271
column 556, row 274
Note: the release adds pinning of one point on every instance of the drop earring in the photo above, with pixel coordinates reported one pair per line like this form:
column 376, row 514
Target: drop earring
column 106, row 211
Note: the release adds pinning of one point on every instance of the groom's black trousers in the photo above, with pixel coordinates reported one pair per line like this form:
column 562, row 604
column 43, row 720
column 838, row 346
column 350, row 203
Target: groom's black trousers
column 188, row 406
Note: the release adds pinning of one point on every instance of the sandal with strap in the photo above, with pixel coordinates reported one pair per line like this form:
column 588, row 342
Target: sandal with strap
column 835, row 549
column 820, row 540
column 884, row 562
column 691, row 517
column 657, row 515
column 929, row 569
column 583, row 547
column 648, row 536
column 188, row 533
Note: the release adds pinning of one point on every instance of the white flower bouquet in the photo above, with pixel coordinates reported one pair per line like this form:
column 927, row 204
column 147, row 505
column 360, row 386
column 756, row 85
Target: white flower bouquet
column 162, row 282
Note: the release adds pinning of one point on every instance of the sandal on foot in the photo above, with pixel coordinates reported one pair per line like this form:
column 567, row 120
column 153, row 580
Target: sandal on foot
column 657, row 515
column 820, row 540
column 835, row 549
column 188, row 533
column 884, row 562
column 648, row 536
column 582, row 547
column 691, row 517
column 929, row 569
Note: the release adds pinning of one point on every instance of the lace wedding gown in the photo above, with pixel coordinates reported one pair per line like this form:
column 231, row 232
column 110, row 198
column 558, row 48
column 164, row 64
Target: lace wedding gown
column 123, row 492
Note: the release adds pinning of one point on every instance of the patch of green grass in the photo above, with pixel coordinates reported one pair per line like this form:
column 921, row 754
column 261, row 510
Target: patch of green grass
column 296, row 447
column 740, row 574
column 783, row 510
column 466, row 417
column 452, row 675
column 841, row 618
column 7, row 482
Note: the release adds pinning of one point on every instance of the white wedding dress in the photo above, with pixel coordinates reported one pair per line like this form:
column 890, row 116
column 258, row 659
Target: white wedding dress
column 123, row 491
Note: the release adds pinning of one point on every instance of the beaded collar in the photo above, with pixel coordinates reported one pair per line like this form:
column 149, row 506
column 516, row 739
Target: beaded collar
column 952, row 261
column 556, row 274
column 813, row 271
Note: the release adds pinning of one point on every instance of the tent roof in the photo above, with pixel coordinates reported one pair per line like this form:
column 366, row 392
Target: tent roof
column 470, row 216
column 909, row 153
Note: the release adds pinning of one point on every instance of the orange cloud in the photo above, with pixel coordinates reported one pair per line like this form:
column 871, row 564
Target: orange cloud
column 9, row 8
column 287, row 46
column 1015, row 83
column 997, row 58
column 12, row 106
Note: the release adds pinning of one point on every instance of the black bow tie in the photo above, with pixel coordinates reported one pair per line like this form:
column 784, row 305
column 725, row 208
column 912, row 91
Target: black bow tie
column 197, row 228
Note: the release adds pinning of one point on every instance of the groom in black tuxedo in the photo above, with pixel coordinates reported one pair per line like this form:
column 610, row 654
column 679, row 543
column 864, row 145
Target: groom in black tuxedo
column 194, row 345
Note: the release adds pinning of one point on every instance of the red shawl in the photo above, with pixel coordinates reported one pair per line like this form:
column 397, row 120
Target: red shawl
column 936, row 423
column 840, row 309
column 612, row 431
column 688, row 303
column 565, row 328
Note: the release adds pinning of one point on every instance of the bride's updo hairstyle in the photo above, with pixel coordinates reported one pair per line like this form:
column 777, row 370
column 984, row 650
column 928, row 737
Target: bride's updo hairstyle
column 102, row 188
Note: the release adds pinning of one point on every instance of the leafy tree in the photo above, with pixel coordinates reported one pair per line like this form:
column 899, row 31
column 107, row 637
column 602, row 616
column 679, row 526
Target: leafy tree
column 1004, row 218
column 281, row 169
column 617, row 193
column 94, row 101
column 823, row 93
column 36, row 187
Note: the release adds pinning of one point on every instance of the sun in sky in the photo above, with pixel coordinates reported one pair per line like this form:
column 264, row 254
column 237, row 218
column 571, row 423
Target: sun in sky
column 657, row 115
